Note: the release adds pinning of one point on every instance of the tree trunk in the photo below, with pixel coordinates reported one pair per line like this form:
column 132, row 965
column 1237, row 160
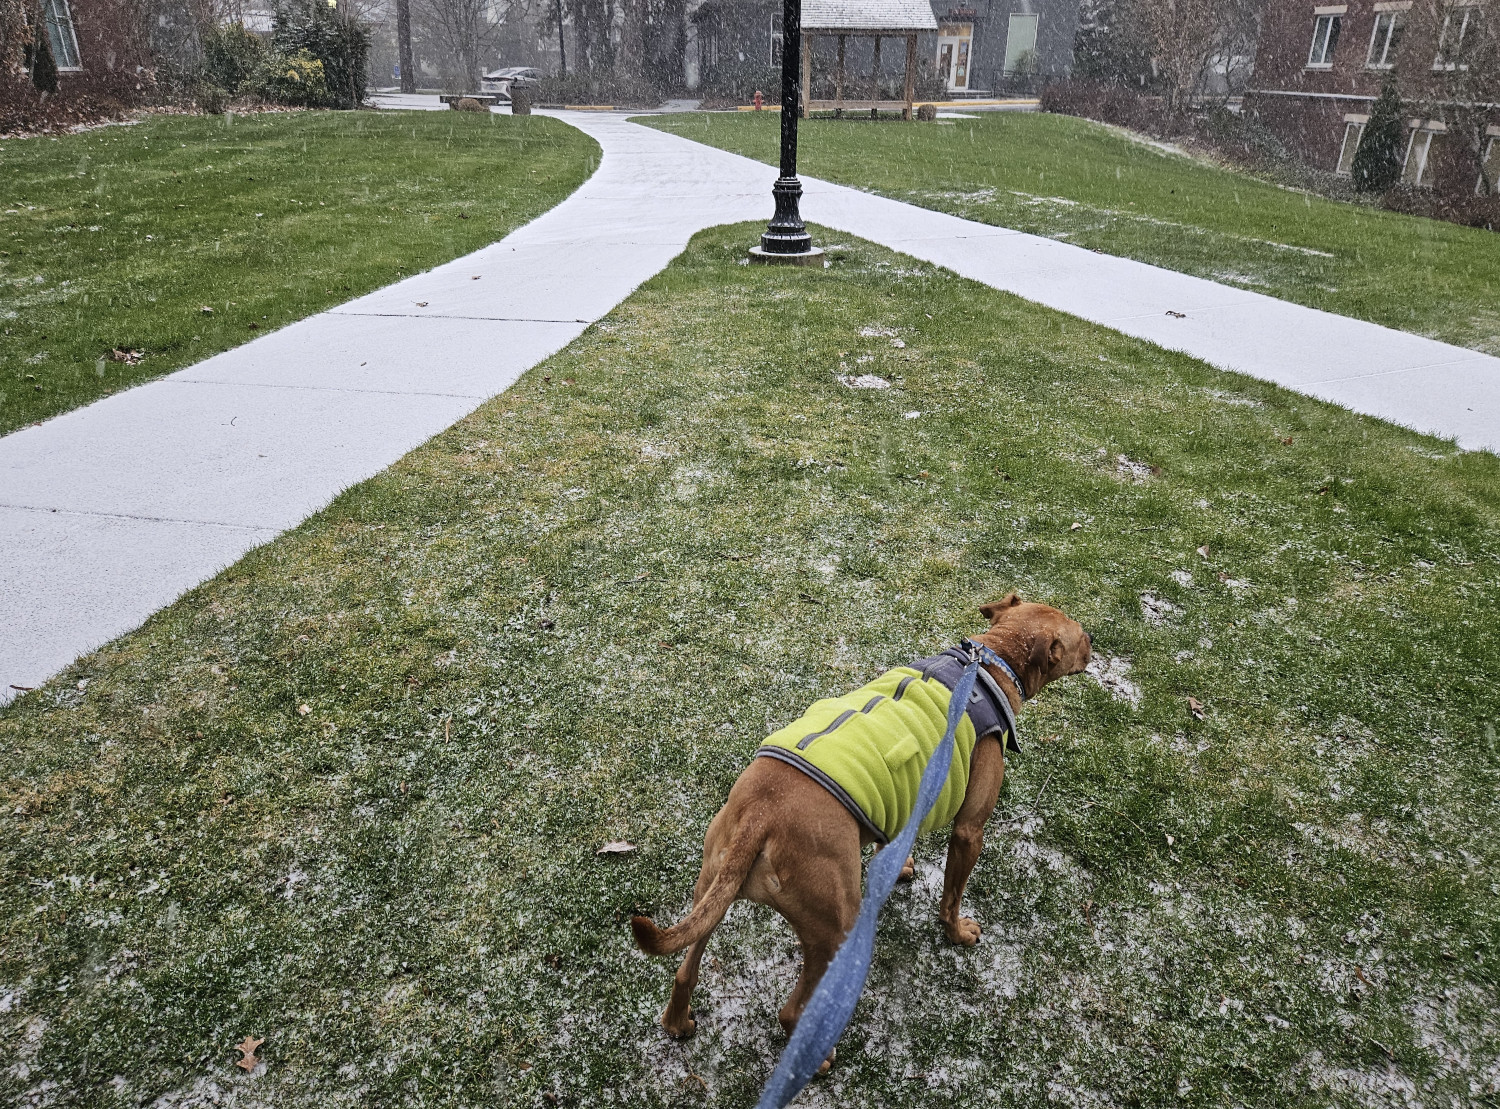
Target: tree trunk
column 403, row 46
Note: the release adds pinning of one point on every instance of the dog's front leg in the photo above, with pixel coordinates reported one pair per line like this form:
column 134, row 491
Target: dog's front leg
column 986, row 774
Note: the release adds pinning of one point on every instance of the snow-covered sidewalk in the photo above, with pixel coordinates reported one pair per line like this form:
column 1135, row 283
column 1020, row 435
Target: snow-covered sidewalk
column 109, row 512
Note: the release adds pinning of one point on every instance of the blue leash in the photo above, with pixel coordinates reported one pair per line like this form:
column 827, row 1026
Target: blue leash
column 832, row 1004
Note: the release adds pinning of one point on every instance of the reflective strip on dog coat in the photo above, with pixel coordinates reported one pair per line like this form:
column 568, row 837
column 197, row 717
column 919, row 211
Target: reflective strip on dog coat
column 869, row 748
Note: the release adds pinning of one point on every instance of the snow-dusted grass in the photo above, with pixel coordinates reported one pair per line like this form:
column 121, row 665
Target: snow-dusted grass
column 347, row 796
column 117, row 239
column 1101, row 187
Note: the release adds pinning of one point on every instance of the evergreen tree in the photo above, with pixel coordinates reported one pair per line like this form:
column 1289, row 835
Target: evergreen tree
column 43, row 64
column 1377, row 162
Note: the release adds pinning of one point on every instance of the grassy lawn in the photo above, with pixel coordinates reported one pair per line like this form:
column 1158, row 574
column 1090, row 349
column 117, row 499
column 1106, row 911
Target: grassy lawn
column 346, row 796
column 1071, row 179
column 117, row 239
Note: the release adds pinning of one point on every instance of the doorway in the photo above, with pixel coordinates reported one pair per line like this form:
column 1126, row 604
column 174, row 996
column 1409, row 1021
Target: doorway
column 953, row 45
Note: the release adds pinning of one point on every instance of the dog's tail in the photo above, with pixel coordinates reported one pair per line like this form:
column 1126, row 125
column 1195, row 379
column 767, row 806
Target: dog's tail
column 748, row 839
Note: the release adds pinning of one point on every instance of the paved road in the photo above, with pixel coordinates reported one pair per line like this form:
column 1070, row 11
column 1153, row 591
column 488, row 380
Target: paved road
column 110, row 512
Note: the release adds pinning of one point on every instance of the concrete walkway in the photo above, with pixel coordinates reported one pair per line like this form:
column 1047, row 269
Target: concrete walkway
column 112, row 511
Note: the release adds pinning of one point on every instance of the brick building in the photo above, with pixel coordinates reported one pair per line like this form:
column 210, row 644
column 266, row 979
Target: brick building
column 102, row 65
column 1320, row 67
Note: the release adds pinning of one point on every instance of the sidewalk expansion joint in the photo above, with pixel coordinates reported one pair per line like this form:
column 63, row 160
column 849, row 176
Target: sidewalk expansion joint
column 446, row 316
column 325, row 388
column 269, row 531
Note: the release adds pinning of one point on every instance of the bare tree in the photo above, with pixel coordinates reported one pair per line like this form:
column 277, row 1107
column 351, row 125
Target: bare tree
column 465, row 32
column 1450, row 64
column 1185, row 38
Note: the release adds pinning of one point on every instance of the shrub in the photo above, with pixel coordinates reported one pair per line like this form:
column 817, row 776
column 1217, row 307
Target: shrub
column 334, row 38
column 597, row 87
column 43, row 64
column 737, row 81
column 1377, row 161
column 297, row 79
column 233, row 58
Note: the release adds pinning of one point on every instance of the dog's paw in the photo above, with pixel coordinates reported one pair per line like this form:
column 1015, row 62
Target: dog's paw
column 679, row 1029
column 908, row 870
column 965, row 932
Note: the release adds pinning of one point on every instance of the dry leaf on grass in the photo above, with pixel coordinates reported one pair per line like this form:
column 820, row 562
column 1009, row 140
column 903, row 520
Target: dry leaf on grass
column 1195, row 707
column 616, row 847
column 303, row 710
column 1203, row 550
column 247, row 1048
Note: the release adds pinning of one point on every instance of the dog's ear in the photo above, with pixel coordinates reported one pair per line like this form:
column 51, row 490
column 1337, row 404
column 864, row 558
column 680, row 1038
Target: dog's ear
column 1046, row 653
column 992, row 611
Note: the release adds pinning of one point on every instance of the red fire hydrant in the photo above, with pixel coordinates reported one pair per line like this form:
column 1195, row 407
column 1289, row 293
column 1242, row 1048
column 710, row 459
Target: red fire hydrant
column 759, row 101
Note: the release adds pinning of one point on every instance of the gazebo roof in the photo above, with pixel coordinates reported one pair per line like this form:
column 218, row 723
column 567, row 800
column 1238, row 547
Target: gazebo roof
column 867, row 16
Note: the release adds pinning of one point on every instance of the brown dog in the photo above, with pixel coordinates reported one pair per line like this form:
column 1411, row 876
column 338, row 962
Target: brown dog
column 786, row 840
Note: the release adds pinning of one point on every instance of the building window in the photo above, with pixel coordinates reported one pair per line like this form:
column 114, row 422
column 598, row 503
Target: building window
column 60, row 33
column 1353, row 132
column 1386, row 40
column 1456, row 25
column 1418, row 170
column 776, row 38
column 1325, row 38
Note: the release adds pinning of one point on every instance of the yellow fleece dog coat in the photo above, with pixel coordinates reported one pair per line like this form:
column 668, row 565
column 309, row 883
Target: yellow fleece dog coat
column 869, row 748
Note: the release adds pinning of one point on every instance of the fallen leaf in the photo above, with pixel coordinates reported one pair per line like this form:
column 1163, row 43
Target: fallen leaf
column 1223, row 576
column 1171, row 840
column 1195, row 707
column 1076, row 526
column 1177, row 315
column 1287, row 442
column 421, row 304
column 1203, row 550
column 303, row 710
column 616, row 847
column 247, row 1048
column 206, row 310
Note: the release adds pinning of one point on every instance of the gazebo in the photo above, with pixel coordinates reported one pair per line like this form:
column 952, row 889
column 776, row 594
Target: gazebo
column 875, row 19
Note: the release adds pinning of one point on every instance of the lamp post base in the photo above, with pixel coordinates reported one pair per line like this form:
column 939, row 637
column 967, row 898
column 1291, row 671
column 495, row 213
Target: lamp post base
column 813, row 256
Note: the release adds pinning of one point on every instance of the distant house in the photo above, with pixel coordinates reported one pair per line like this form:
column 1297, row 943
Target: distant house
column 978, row 49
column 100, row 65
column 1319, row 68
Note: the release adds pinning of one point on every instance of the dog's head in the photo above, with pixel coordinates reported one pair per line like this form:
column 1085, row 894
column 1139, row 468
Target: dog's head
column 1040, row 642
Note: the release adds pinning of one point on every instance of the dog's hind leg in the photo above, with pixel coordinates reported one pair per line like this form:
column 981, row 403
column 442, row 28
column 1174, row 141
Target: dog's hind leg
column 677, row 1019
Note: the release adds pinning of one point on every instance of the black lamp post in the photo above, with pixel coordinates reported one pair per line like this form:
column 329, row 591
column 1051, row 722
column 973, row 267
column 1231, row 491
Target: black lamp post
column 786, row 238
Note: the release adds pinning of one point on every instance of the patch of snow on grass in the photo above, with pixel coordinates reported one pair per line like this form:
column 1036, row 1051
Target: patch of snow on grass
column 1157, row 610
column 864, row 381
column 1128, row 467
column 1111, row 671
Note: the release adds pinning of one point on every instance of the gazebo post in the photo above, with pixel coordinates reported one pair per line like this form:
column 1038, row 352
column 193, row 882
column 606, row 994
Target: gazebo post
column 911, row 73
column 838, row 82
column 786, row 239
column 875, row 79
column 807, row 52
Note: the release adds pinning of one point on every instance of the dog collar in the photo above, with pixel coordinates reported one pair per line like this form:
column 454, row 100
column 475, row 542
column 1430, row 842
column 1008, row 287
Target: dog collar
column 978, row 650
